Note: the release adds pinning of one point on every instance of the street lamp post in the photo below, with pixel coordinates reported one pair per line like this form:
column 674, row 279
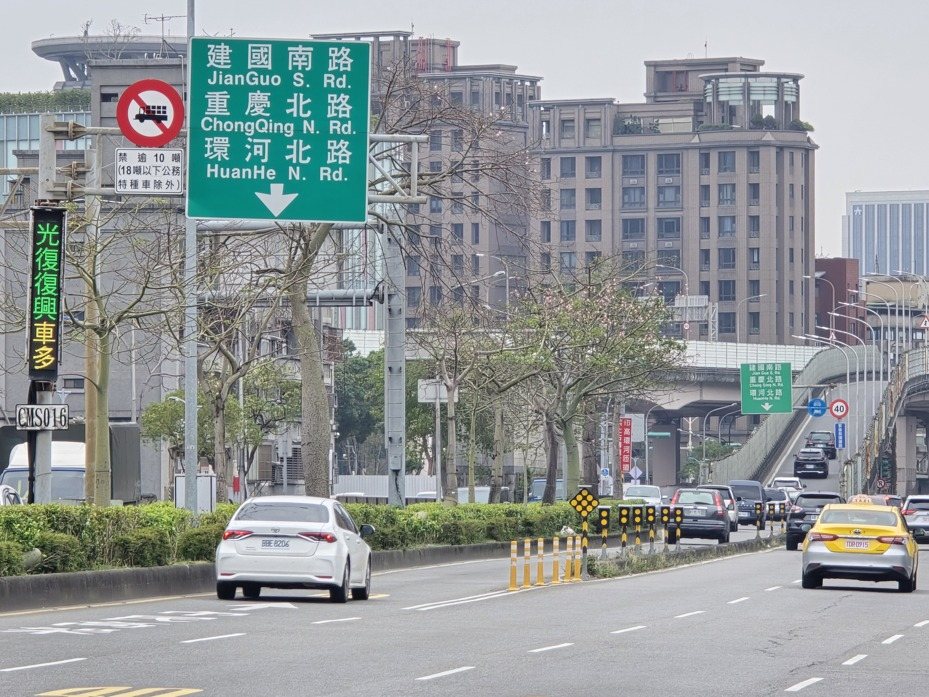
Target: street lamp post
column 896, row 315
column 874, row 336
column 506, row 270
column 833, row 303
column 703, row 466
column 905, row 303
column 859, row 412
column 739, row 305
column 647, row 414
column 686, row 292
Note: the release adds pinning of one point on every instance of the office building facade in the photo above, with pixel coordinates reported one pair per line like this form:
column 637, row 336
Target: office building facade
column 887, row 231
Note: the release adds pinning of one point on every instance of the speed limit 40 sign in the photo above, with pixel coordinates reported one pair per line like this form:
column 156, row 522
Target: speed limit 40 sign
column 838, row 408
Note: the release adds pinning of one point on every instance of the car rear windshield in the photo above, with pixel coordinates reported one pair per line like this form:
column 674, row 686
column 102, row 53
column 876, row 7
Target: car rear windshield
column 696, row 497
column 918, row 505
column 859, row 517
column 812, row 500
column 642, row 491
column 746, row 492
column 285, row 512
column 775, row 494
column 820, row 437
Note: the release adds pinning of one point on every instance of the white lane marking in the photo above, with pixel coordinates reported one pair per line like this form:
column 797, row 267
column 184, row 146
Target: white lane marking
column 800, row 685
column 738, row 600
column 629, row 629
column 452, row 603
column 892, row 639
column 340, row 619
column 454, row 600
column 798, row 581
column 41, row 665
column 773, row 588
column 854, row 659
column 921, row 624
column 550, row 648
column 689, row 614
column 211, row 638
column 446, row 672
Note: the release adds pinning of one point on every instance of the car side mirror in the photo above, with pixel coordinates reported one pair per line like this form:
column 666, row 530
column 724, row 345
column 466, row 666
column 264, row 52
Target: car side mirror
column 366, row 530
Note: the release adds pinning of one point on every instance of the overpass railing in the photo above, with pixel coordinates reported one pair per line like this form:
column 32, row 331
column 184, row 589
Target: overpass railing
column 766, row 445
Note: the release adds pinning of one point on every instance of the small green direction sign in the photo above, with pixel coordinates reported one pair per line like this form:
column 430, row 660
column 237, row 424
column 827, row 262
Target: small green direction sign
column 766, row 388
column 278, row 129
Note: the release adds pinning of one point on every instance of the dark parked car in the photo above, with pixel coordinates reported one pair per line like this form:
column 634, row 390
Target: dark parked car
column 749, row 492
column 824, row 440
column 705, row 515
column 805, row 512
column 811, row 461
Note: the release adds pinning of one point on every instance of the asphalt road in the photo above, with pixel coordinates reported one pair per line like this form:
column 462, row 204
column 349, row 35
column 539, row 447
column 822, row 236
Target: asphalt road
column 736, row 626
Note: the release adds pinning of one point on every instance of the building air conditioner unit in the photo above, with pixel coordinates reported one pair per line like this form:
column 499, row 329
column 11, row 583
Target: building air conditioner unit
column 633, row 181
column 633, row 245
column 669, row 180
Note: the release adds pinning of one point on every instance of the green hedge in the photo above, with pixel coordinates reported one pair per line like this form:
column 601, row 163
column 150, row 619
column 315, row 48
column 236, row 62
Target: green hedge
column 143, row 547
column 60, row 552
column 11, row 558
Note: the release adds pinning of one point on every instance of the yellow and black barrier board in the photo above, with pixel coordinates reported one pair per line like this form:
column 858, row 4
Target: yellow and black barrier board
column 584, row 502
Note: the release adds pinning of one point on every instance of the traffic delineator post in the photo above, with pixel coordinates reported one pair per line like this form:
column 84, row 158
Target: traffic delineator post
column 569, row 558
column 540, row 569
column 514, row 552
column 577, row 558
column 527, row 563
column 556, row 571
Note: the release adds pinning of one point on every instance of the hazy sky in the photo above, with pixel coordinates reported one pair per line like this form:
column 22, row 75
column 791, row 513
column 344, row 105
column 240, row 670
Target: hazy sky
column 865, row 62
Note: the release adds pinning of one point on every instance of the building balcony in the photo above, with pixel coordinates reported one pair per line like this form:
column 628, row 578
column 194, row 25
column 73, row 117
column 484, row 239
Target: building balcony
column 753, row 202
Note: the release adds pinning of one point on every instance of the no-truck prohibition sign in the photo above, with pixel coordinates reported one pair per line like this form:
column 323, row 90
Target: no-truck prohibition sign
column 150, row 113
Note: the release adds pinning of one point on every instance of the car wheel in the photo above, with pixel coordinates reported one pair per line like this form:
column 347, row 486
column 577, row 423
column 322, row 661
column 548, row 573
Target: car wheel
column 792, row 544
column 809, row 581
column 225, row 590
column 339, row 594
column 734, row 527
column 251, row 591
column 907, row 586
column 364, row 592
column 724, row 538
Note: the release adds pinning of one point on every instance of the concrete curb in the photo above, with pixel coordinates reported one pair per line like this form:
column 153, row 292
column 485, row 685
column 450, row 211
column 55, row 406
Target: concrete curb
column 86, row 587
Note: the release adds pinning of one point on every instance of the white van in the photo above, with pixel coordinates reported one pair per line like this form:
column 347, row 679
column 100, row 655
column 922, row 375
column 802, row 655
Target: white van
column 67, row 471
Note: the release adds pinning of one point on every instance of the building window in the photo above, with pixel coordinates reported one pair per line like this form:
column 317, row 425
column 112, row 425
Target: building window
column 754, row 161
column 669, row 197
column 790, row 259
column 413, row 265
column 545, row 231
column 458, row 202
column 545, row 261
column 704, row 196
column 458, row 264
column 545, row 168
column 414, row 296
column 704, row 228
column 669, row 257
column 790, row 161
column 754, row 287
column 754, row 258
column 754, row 194
column 475, row 233
column 669, row 290
column 634, row 257
column 727, row 194
column 790, row 315
column 790, row 223
column 705, row 288
column 568, row 262
column 475, row 265
column 593, row 231
column 591, row 258
column 435, row 166
column 593, row 128
column 72, row 383
column 568, row 200
column 669, row 228
column 435, row 204
column 790, row 287
column 704, row 163
column 457, row 140
column 754, row 226
column 593, row 199
column 726, row 291
column 726, row 258
column 727, row 323
column 458, row 232
column 669, row 164
column 633, row 228
column 435, row 295
column 435, row 232
column 412, row 322
column 726, row 161
column 567, row 128
column 633, row 197
column 790, row 191
column 568, row 167
column 475, row 199
column 593, row 167
column 567, row 230
column 475, row 99
column 754, row 322
column 435, row 141
column 726, row 225
column 705, row 266
column 633, row 165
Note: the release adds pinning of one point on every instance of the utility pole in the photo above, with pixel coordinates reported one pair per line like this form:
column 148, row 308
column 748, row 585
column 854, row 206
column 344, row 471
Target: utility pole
column 395, row 368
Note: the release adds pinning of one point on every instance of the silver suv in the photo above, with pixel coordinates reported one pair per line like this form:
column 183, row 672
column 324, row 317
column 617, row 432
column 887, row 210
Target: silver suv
column 729, row 502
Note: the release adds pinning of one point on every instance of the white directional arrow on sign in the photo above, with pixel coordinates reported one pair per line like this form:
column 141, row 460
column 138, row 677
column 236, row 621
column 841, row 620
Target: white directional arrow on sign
column 766, row 406
column 277, row 200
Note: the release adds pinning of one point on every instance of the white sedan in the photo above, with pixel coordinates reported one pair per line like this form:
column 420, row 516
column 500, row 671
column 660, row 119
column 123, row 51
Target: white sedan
column 294, row 542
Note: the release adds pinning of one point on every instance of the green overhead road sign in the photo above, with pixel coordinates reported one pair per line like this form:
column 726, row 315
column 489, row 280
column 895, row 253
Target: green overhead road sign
column 278, row 130
column 766, row 388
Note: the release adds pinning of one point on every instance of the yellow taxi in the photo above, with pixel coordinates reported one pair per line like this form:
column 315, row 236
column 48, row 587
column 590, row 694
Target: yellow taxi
column 860, row 541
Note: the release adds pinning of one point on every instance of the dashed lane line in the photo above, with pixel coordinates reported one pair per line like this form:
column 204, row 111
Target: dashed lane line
column 772, row 588
column 551, row 648
column 854, row 659
column 689, row 614
column 800, row 685
column 338, row 619
column 213, row 638
column 921, row 624
column 892, row 639
column 737, row 600
column 41, row 665
column 446, row 672
column 795, row 582
column 629, row 629
column 454, row 600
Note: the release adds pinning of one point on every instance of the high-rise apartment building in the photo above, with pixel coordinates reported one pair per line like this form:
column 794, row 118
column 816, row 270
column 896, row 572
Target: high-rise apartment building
column 887, row 231
column 705, row 189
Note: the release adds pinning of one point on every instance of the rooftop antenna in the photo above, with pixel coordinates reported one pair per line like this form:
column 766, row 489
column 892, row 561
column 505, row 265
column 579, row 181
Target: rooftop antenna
column 164, row 19
column 706, row 48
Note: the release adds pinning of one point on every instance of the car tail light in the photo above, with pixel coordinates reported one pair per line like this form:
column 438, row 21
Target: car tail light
column 720, row 512
column 822, row 537
column 318, row 536
column 908, row 511
column 236, row 534
column 892, row 540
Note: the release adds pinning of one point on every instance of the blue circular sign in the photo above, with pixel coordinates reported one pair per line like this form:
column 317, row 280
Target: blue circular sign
column 817, row 407
column 605, row 472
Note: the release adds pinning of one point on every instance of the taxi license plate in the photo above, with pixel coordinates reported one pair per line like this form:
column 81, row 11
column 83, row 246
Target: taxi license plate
column 856, row 544
column 275, row 544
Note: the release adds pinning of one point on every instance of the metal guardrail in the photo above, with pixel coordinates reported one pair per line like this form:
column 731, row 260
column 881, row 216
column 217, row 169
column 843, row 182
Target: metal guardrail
column 764, row 448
